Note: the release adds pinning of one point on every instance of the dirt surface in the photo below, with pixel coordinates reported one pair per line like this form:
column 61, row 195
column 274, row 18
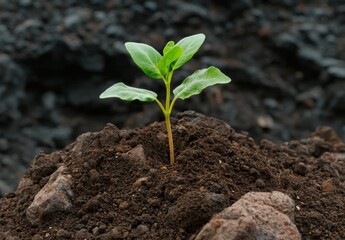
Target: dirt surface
column 120, row 192
column 286, row 59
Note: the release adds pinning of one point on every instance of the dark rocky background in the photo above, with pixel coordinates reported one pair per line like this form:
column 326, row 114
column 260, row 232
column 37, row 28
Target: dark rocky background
column 286, row 59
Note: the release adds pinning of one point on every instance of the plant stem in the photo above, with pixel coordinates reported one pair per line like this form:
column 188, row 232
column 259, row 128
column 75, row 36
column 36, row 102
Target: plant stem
column 167, row 113
column 170, row 139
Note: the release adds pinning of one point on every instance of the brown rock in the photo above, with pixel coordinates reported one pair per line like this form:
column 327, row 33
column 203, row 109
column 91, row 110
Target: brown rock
column 256, row 215
column 53, row 197
column 136, row 155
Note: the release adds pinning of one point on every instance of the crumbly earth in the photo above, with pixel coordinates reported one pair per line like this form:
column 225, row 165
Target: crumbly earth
column 119, row 197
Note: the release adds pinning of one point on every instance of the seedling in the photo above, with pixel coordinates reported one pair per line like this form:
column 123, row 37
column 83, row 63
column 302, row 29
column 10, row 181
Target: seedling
column 156, row 66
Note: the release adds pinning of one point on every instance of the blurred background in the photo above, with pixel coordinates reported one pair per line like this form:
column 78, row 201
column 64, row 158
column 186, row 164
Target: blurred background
column 286, row 59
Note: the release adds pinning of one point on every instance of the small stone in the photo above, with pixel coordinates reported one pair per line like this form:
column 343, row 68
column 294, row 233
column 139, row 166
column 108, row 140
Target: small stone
column 79, row 226
column 142, row 228
column 54, row 197
column 136, row 155
column 311, row 58
column 139, row 182
column 288, row 42
column 26, row 25
column 255, row 215
column 265, row 122
column 95, row 230
column 76, row 16
column 114, row 31
column 25, row 3
column 336, row 72
column 124, row 205
column 62, row 233
column 72, row 42
column 83, row 234
column 37, row 237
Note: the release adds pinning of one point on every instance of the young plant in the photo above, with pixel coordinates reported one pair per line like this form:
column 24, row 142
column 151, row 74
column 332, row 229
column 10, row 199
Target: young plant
column 158, row 66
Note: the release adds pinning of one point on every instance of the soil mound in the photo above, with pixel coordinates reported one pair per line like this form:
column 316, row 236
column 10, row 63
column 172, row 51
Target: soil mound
column 124, row 188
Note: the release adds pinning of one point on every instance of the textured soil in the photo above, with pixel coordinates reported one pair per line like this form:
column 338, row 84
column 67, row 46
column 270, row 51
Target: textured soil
column 120, row 193
column 286, row 59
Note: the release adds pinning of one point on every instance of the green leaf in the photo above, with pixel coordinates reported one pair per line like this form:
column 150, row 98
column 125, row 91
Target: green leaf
column 190, row 46
column 200, row 80
column 124, row 92
column 168, row 46
column 146, row 57
column 169, row 59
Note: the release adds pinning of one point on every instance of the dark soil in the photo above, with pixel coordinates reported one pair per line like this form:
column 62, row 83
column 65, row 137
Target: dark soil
column 286, row 59
column 119, row 197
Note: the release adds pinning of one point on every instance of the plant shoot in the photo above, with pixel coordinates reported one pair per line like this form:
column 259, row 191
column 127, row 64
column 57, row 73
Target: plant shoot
column 158, row 66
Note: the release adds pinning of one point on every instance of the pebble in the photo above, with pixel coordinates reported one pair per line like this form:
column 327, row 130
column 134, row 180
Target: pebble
column 337, row 72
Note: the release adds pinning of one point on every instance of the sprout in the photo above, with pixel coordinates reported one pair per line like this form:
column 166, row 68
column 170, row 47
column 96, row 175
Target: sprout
column 154, row 65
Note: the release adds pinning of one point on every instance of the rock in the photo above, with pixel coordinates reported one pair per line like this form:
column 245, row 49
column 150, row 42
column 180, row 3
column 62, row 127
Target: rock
column 63, row 234
column 54, row 197
column 136, row 155
column 76, row 16
column 188, row 10
column 49, row 100
column 257, row 215
column 311, row 58
column 333, row 62
column 25, row 3
column 194, row 209
column 37, row 237
column 73, row 42
column 140, row 182
column 82, row 234
column 288, row 41
column 29, row 25
column 337, row 72
column 114, row 31
column 151, row 5
column 265, row 122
